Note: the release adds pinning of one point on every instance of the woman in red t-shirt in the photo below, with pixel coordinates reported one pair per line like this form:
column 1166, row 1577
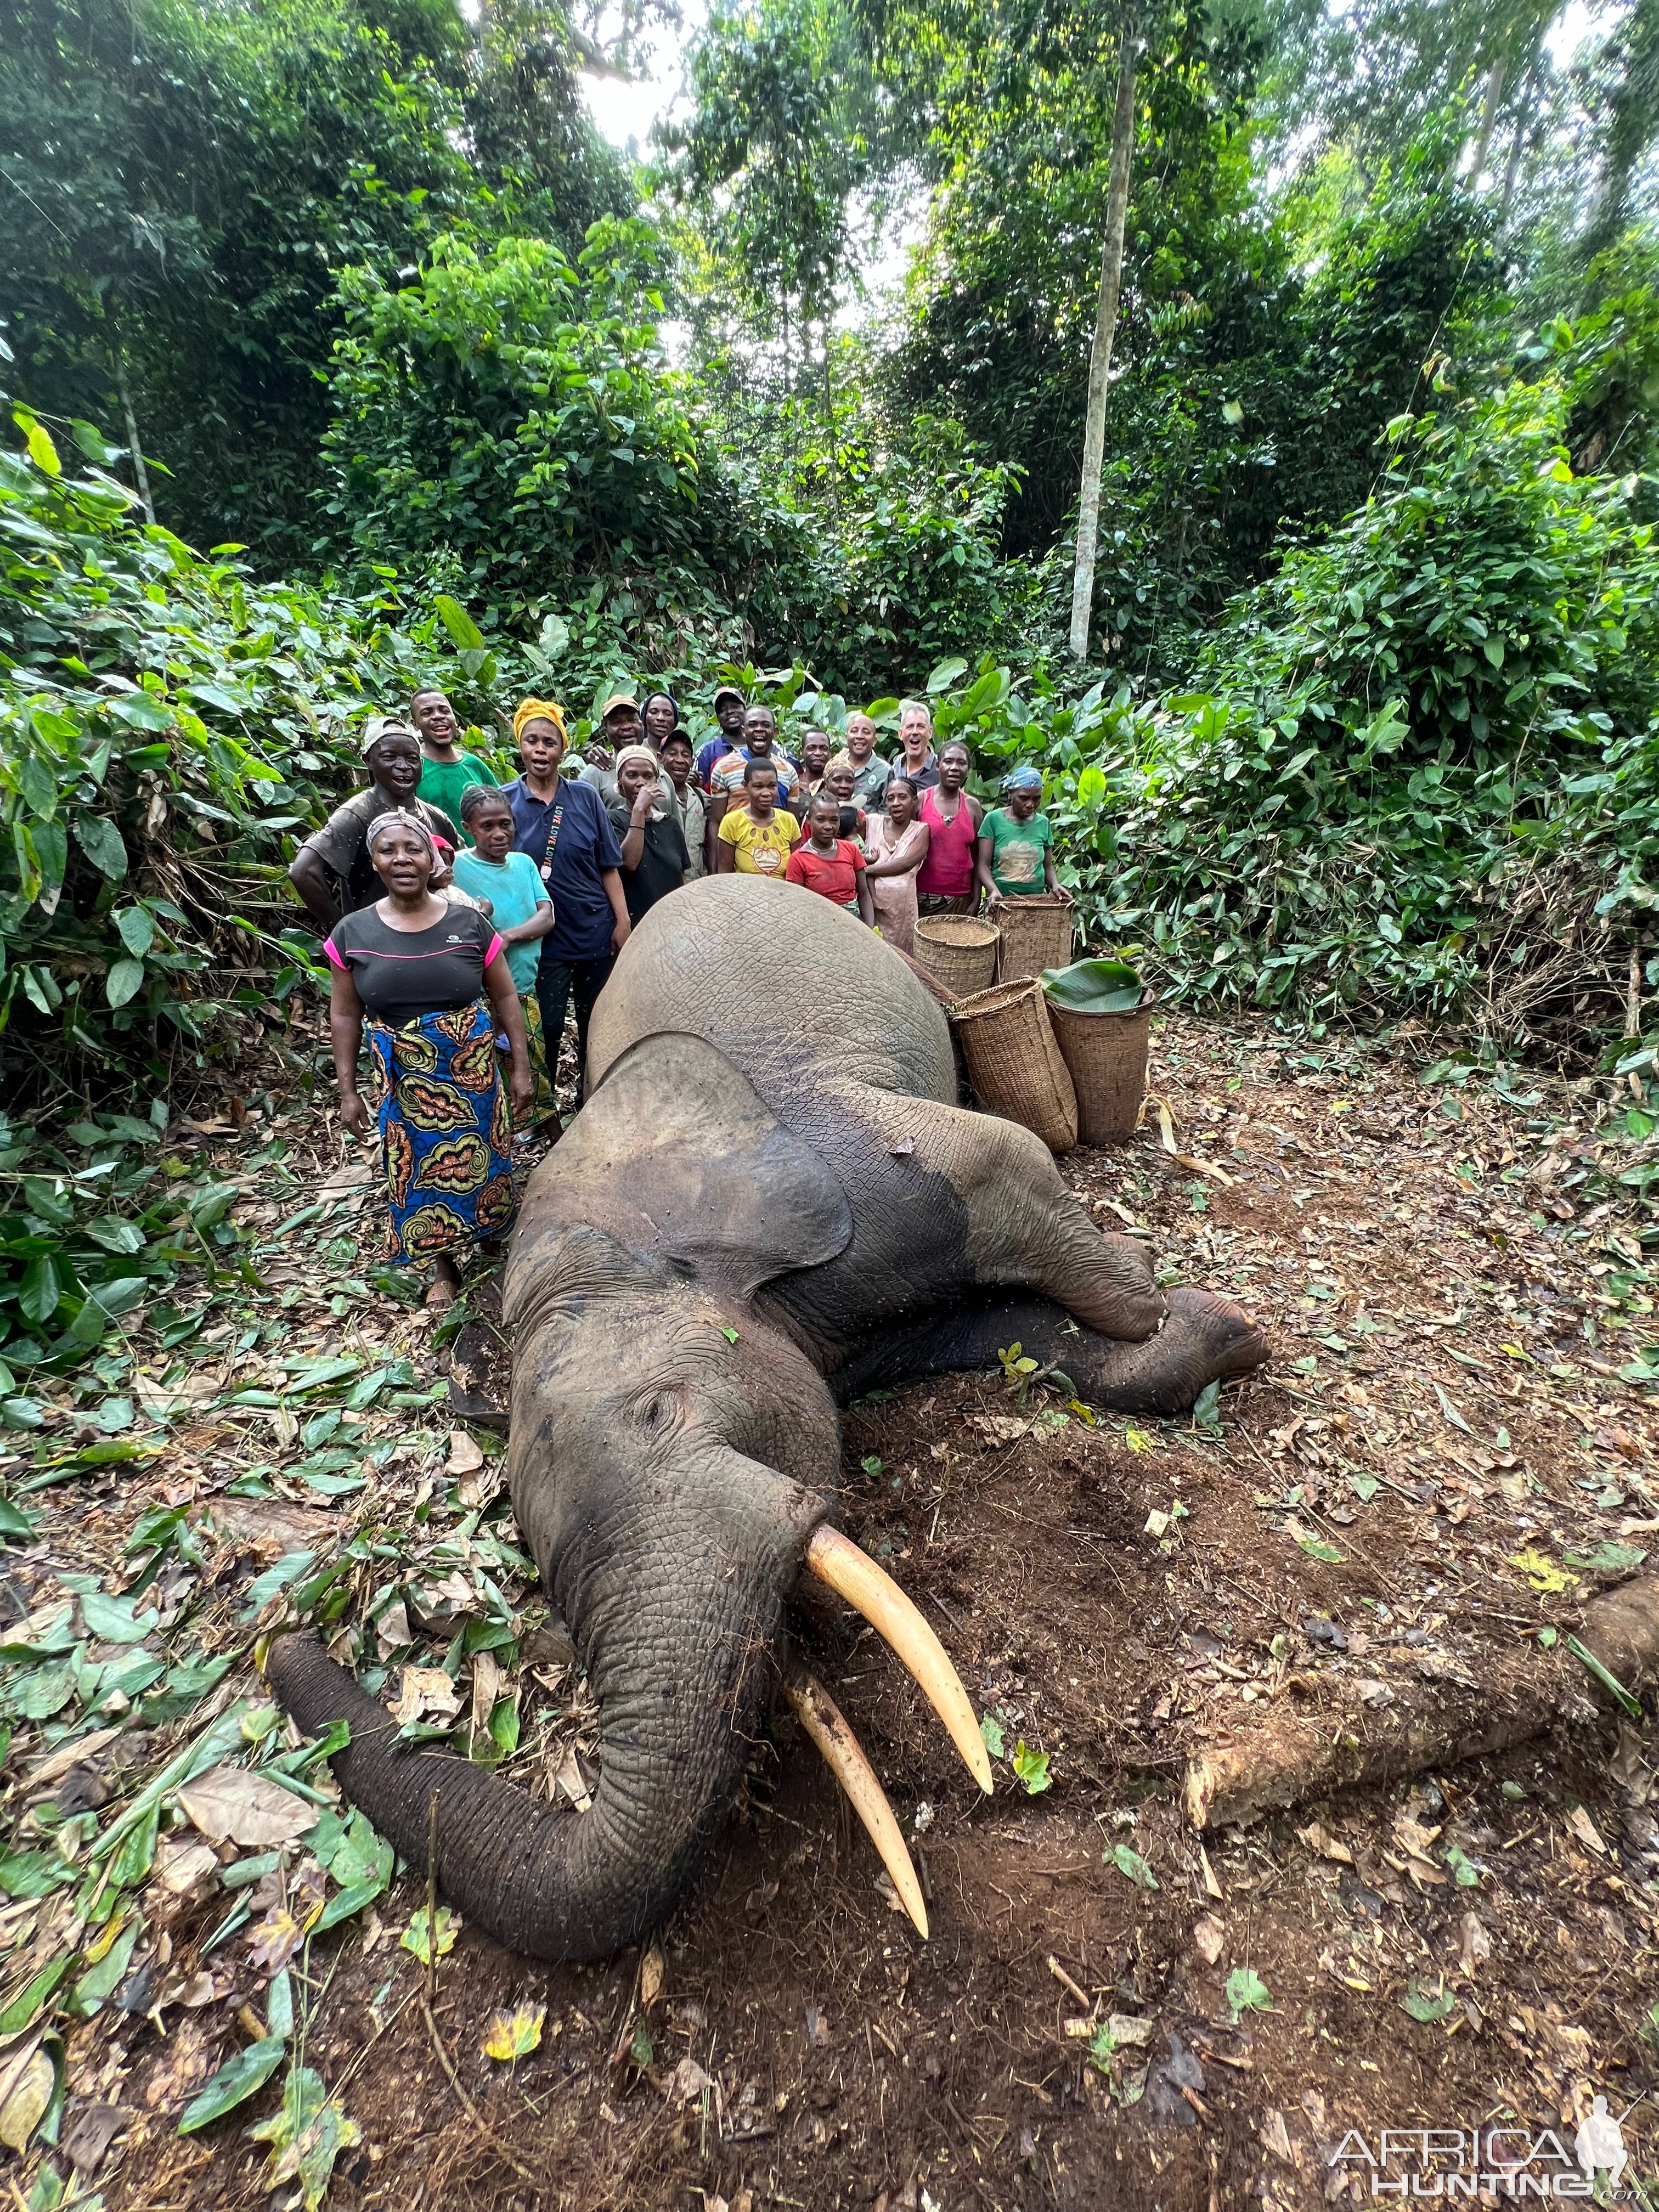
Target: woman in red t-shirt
column 830, row 864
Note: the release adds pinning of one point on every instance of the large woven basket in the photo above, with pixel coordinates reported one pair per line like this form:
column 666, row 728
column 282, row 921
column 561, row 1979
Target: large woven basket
column 1036, row 934
column 1106, row 1054
column 961, row 951
column 1014, row 1062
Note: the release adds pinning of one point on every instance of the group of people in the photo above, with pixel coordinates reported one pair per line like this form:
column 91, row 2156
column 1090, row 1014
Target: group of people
column 460, row 917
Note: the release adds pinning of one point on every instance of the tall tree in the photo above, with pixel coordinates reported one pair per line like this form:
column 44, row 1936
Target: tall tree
column 1100, row 358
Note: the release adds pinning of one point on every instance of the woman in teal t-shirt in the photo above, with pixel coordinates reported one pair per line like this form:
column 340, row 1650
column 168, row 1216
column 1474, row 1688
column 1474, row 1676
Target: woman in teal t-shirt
column 1016, row 854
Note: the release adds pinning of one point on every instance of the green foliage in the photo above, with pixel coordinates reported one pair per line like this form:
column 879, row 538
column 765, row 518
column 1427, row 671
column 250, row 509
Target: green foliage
column 512, row 416
column 186, row 179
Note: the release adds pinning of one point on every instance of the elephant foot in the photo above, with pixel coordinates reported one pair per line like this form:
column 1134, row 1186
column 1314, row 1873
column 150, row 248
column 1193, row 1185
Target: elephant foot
column 1206, row 1338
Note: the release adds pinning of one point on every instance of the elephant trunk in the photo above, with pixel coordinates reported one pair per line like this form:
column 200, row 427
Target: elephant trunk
column 678, row 1646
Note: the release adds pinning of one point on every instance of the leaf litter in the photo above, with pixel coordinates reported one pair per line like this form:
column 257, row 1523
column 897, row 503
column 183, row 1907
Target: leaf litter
column 1463, row 1306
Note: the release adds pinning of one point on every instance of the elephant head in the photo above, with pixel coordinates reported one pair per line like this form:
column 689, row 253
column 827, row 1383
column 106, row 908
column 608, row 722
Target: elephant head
column 672, row 1464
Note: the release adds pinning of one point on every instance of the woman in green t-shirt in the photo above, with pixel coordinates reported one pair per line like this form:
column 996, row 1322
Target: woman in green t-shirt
column 1016, row 851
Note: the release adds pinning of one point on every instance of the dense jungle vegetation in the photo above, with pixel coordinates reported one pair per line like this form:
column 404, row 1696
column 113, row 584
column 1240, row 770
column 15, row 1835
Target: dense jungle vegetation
column 340, row 352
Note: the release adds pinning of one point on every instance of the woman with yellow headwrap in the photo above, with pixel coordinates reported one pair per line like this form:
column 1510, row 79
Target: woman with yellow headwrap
column 563, row 827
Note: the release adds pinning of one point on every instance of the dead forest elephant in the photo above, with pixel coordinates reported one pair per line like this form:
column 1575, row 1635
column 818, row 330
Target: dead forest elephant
column 770, row 1200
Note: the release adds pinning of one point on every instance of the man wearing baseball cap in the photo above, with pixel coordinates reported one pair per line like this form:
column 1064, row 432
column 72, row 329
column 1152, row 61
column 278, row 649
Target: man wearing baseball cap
column 730, row 706
column 331, row 870
column 619, row 725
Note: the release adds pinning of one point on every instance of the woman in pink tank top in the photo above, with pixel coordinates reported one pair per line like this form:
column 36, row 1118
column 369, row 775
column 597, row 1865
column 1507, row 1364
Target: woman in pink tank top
column 945, row 882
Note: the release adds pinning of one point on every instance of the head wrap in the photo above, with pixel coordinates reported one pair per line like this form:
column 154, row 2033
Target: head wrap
column 537, row 710
column 385, row 726
column 1023, row 778
column 399, row 817
column 841, row 760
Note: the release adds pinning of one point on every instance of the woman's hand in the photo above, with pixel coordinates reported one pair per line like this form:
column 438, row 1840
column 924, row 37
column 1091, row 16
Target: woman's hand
column 992, row 899
column 355, row 1113
column 1066, row 897
column 643, row 802
column 619, row 935
column 524, row 1095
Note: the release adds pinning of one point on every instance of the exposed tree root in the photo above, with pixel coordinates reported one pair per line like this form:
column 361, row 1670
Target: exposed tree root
column 1296, row 1758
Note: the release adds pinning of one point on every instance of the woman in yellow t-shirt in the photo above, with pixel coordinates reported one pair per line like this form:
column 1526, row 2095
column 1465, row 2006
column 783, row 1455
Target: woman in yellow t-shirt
column 757, row 838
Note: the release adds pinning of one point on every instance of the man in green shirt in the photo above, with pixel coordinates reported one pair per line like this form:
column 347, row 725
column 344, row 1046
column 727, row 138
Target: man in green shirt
column 445, row 771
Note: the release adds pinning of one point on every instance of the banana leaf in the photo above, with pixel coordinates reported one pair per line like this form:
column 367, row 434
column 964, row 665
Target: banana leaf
column 1095, row 986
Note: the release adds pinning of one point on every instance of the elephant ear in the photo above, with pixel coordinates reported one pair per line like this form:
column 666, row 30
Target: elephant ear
column 676, row 1154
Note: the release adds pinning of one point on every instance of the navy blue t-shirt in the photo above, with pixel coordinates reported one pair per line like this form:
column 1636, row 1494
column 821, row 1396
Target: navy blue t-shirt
column 570, row 857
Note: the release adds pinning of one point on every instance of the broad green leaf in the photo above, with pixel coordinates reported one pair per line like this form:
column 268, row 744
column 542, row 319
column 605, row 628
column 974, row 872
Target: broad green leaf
column 124, row 982
column 100, row 841
column 1246, row 1991
column 234, row 2084
column 420, row 1938
column 1428, row 2005
column 1128, row 1861
column 138, row 929
column 464, row 632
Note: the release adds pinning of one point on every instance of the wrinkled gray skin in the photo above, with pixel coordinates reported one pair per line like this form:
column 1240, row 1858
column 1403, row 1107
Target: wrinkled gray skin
column 769, row 1201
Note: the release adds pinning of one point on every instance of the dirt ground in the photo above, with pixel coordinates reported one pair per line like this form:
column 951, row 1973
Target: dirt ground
column 1444, row 1461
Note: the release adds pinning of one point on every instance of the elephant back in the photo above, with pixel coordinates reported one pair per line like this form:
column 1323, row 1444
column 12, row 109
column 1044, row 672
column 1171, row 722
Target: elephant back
column 785, row 984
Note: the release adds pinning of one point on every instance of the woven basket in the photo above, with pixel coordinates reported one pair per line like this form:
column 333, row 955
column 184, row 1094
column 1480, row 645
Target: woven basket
column 1106, row 1054
column 1036, row 934
column 1014, row 1063
column 959, row 950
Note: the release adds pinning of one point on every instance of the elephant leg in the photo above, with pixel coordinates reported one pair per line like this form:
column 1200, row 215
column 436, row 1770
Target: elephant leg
column 1206, row 1338
column 946, row 1204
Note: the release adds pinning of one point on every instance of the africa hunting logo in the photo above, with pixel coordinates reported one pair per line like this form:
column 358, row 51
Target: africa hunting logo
column 1473, row 2162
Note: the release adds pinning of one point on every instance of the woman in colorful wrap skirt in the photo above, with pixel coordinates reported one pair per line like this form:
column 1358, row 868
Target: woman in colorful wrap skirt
column 433, row 981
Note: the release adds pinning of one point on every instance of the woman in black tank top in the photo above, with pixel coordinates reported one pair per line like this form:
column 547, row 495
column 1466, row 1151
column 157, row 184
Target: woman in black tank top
column 433, row 986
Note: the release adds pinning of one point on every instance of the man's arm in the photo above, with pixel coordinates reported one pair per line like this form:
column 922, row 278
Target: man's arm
column 311, row 879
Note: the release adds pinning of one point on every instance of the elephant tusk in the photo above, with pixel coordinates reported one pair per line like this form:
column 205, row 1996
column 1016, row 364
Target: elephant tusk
column 819, row 1715
column 854, row 1576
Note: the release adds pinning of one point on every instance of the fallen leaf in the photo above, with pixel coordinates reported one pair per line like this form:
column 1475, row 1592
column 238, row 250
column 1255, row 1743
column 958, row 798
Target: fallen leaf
column 229, row 1804
column 422, row 1690
column 392, row 1629
column 687, row 2082
column 273, row 1941
column 307, row 2133
column 1209, row 1937
column 1128, row 2032
column 465, row 1454
column 651, row 1976
column 568, row 1778
column 1130, row 1863
column 1541, row 1571
column 183, row 1868
column 514, row 2034
column 423, row 1941
column 1246, row 1991
column 486, row 1688
column 1277, row 2135
column 26, row 2100
column 1324, row 1844
column 1586, row 1831
column 1476, row 1943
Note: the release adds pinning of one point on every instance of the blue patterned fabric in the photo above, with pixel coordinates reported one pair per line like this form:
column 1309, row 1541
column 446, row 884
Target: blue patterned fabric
column 446, row 1134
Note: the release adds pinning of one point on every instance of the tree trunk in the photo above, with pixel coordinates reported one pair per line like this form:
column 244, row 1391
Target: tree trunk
column 133, row 446
column 1512, row 167
column 1100, row 359
column 1489, row 106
